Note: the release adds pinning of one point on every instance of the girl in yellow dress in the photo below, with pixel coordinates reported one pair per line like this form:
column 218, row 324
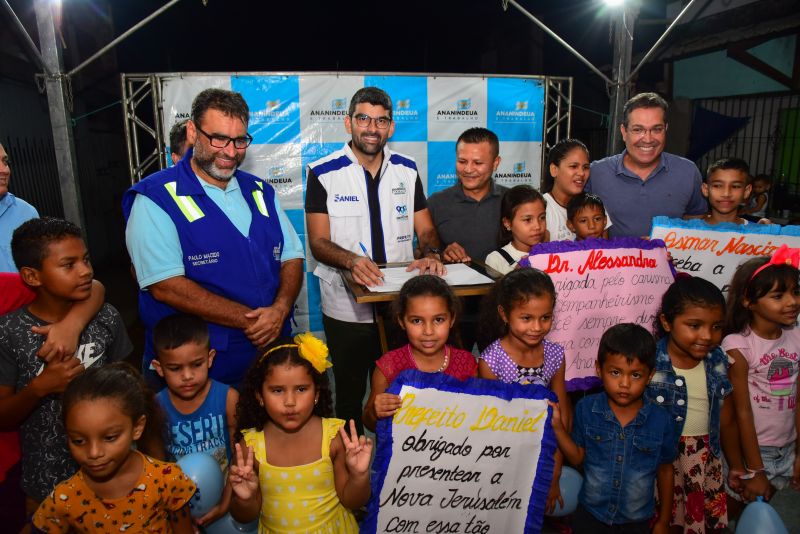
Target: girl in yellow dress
column 292, row 471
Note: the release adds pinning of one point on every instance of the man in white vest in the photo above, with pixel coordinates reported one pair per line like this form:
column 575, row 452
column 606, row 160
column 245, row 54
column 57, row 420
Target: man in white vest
column 364, row 203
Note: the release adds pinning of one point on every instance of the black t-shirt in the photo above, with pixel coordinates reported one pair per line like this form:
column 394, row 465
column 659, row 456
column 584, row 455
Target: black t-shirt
column 45, row 457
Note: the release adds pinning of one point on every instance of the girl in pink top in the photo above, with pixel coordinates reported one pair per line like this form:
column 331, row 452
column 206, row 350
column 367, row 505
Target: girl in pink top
column 763, row 345
column 426, row 309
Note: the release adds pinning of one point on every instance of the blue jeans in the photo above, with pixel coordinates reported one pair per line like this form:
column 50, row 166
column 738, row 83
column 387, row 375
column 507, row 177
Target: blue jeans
column 779, row 464
column 585, row 522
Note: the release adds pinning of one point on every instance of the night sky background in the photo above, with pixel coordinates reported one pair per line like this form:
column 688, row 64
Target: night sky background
column 414, row 36
column 431, row 36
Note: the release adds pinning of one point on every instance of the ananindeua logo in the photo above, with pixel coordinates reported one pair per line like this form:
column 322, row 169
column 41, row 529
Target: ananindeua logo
column 277, row 175
column 518, row 170
column 519, row 113
column 445, row 178
column 271, row 112
column 404, row 111
column 461, row 111
column 336, row 111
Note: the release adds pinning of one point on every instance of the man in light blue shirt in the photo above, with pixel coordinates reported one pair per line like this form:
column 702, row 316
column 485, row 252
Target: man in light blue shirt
column 210, row 239
column 644, row 181
column 159, row 256
column 13, row 212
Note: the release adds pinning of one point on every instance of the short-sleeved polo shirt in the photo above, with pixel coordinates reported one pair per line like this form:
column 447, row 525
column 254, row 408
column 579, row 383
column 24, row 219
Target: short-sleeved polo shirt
column 13, row 212
column 473, row 224
column 672, row 190
column 155, row 246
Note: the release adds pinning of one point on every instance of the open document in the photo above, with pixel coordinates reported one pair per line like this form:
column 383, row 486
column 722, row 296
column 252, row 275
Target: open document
column 458, row 274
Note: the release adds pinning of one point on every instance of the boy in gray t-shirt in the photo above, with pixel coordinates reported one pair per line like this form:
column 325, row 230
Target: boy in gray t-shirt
column 53, row 261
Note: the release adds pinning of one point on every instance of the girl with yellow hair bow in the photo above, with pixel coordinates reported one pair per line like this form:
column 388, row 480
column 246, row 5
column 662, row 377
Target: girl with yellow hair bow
column 296, row 466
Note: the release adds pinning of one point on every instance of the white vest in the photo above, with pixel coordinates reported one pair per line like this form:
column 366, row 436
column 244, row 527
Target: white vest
column 557, row 220
column 348, row 213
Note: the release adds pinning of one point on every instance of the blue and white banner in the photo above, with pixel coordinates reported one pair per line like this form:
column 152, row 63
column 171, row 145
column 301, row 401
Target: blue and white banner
column 715, row 251
column 297, row 119
column 472, row 456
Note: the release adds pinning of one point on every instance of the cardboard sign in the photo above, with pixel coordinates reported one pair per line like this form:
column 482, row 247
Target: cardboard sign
column 600, row 283
column 715, row 251
column 472, row 457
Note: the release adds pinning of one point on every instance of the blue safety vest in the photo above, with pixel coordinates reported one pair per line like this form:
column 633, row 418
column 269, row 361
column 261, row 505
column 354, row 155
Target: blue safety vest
column 216, row 255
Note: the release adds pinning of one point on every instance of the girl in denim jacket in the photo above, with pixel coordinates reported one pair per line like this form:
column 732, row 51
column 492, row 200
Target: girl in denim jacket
column 763, row 344
column 690, row 382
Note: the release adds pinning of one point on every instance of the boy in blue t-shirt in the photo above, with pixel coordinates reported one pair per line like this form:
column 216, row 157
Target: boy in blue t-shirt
column 624, row 443
column 201, row 412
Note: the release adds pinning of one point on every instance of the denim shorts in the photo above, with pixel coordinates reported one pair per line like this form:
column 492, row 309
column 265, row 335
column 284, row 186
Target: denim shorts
column 779, row 464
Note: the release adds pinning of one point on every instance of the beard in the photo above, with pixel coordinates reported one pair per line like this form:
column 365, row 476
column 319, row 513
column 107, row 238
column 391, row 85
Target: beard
column 205, row 160
column 368, row 149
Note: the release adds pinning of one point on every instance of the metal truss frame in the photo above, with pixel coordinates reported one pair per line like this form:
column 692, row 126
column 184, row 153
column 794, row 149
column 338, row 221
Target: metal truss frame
column 557, row 113
column 143, row 121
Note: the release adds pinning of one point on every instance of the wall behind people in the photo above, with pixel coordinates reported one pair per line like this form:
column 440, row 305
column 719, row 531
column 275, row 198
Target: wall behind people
column 297, row 119
column 27, row 136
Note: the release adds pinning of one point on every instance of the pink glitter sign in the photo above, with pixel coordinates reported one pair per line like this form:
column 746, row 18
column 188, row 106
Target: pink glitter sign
column 600, row 283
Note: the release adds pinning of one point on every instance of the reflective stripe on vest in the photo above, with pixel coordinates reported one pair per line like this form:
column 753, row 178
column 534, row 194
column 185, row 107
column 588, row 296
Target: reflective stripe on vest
column 186, row 204
column 258, row 196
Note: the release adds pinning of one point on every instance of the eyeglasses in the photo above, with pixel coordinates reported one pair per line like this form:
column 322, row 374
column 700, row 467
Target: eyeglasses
column 221, row 141
column 638, row 131
column 363, row 120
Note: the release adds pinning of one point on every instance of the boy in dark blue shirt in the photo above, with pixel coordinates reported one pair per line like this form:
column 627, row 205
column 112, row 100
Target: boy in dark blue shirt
column 624, row 443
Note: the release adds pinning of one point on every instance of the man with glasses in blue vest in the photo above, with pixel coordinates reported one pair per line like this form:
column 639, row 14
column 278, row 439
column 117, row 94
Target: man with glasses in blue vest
column 644, row 181
column 210, row 239
column 364, row 203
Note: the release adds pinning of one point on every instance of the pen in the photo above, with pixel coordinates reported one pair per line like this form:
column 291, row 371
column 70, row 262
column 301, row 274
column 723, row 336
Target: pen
column 364, row 249
column 377, row 276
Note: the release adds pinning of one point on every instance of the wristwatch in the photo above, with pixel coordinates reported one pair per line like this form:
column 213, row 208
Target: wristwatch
column 433, row 250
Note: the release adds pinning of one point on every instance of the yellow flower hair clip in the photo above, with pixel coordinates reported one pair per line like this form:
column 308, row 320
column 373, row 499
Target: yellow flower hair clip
column 311, row 349
column 314, row 350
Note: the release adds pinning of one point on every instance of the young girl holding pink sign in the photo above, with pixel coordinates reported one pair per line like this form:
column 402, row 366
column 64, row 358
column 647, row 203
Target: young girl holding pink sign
column 518, row 315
